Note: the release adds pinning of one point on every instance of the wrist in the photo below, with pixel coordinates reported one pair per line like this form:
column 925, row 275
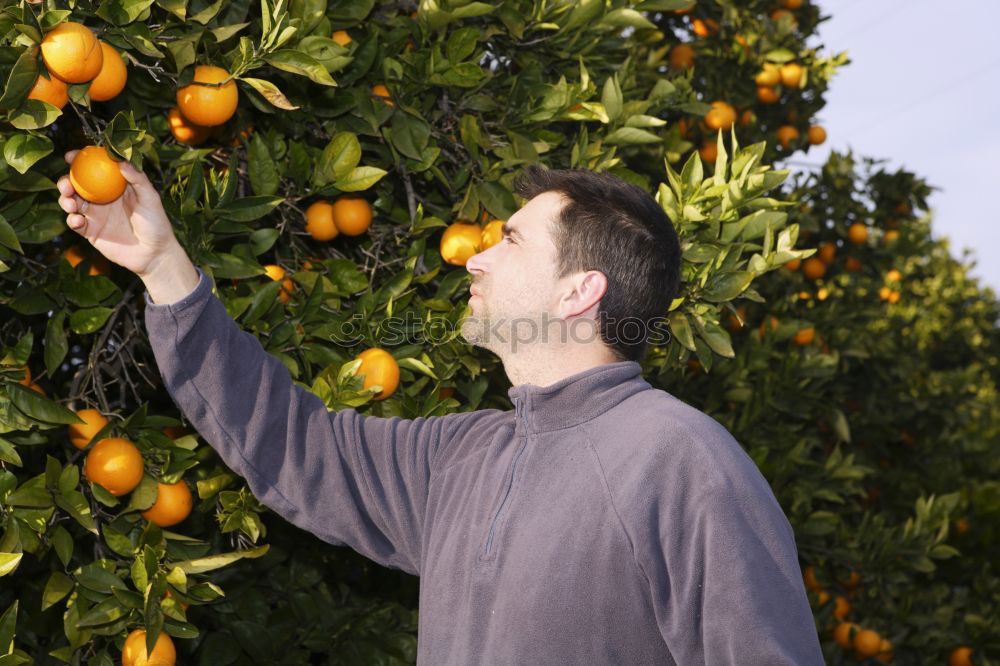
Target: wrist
column 170, row 276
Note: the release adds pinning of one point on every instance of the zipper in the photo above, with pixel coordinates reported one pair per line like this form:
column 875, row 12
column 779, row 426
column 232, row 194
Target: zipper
column 518, row 415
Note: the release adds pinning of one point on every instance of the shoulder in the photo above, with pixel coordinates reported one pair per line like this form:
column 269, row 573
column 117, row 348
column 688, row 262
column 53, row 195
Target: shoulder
column 465, row 433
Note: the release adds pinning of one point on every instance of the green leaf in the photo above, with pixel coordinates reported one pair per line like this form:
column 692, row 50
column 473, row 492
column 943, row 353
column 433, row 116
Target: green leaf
column 8, row 236
column 107, row 611
column 472, row 9
column 21, row 79
column 270, row 92
column 583, row 13
column 226, row 265
column 122, row 12
column 144, row 494
column 410, row 134
column 497, row 199
column 461, row 44
column 248, row 209
column 38, row 407
column 8, row 622
column 627, row 17
column 212, row 562
column 56, row 346
column 9, row 562
column 264, row 178
column 726, row 286
column 361, row 178
column 611, row 97
column 56, row 589
column 681, row 329
column 89, row 320
column 631, row 136
column 302, row 64
column 34, row 114
column 339, row 159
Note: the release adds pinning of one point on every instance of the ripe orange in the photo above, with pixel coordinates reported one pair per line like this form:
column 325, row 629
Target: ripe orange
column 816, row 135
column 779, row 14
column 769, row 76
column 767, row 95
column 852, row 265
column 134, row 651
column 681, row 57
column 460, row 241
column 793, row 265
column 962, row 526
column 380, row 91
column 791, row 75
column 803, row 338
column 492, row 233
column 884, row 651
column 786, row 135
column 276, row 273
column 827, row 252
column 115, row 464
column 80, row 434
column 111, row 79
column 791, row 4
column 734, row 322
column 341, row 37
column 71, row 52
column 95, row 176
column 841, row 607
column 746, row 118
column 709, row 151
column 173, row 504
column 854, row 578
column 843, row 634
column 720, row 116
column 185, row 131
column 446, row 392
column 884, row 293
column 894, row 275
column 379, row 368
column 961, row 656
column 704, row 27
column 894, row 297
column 53, row 91
column 769, row 325
column 208, row 105
column 857, row 233
column 319, row 221
column 813, row 268
column 98, row 264
column 352, row 215
column 891, row 236
column 174, row 432
column 867, row 642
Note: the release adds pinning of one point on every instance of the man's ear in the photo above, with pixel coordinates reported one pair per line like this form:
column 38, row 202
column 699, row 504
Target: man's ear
column 584, row 298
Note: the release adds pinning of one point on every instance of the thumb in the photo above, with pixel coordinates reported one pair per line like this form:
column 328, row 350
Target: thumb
column 140, row 182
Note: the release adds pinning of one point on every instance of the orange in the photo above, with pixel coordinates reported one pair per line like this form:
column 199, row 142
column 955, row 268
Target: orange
column 734, row 322
column 962, row 526
column 684, row 128
column 681, row 57
column 173, row 504
column 80, row 434
column 71, row 52
column 379, row 90
column 816, row 135
column 841, row 607
column 779, row 14
column 894, row 275
column 804, row 338
column 492, row 234
column 185, row 131
column 168, row 595
column 854, row 578
column 174, row 432
column 276, row 273
column 961, row 656
column 115, row 464
column 793, row 265
column 709, row 151
column 894, row 297
column 767, row 95
column 884, row 651
column 95, row 176
column 827, row 252
column 891, row 236
column 208, row 105
column 867, row 642
column 341, row 37
column 98, row 264
column 857, row 233
column 791, row 4
column 352, row 215
column 111, row 79
column 786, row 135
column 460, row 241
column 843, row 634
column 822, row 293
column 746, row 118
column 379, row 368
column 813, row 268
column 704, row 28
column 772, row 323
column 852, row 265
column 791, row 75
column 884, row 293
column 53, row 91
column 446, row 392
column 769, row 76
column 134, row 650
column 720, row 116
column 319, row 221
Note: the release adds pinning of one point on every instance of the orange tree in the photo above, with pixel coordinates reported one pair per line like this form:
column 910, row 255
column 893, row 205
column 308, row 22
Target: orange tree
column 331, row 165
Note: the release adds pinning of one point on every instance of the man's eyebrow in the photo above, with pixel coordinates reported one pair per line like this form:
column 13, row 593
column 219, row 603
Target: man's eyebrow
column 508, row 230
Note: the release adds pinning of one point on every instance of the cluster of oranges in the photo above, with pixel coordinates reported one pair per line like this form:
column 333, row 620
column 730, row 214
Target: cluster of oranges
column 462, row 239
column 203, row 105
column 887, row 292
column 849, row 635
column 349, row 215
column 72, row 54
column 815, row 266
column 115, row 464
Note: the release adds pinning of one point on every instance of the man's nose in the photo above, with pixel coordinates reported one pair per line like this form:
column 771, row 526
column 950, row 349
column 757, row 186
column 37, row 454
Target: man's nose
column 478, row 263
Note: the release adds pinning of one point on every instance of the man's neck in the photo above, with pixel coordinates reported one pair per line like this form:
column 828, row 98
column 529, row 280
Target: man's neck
column 545, row 366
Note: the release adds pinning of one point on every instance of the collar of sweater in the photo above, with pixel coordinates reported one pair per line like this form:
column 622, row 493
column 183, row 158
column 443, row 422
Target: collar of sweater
column 575, row 399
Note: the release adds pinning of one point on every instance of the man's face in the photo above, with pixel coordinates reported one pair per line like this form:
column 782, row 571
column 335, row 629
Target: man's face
column 514, row 282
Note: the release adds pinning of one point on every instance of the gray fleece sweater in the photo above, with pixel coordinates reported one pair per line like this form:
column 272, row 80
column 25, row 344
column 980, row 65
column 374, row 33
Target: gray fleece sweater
column 602, row 521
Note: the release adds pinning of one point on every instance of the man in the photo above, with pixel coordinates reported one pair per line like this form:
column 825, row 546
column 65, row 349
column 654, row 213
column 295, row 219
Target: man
column 601, row 521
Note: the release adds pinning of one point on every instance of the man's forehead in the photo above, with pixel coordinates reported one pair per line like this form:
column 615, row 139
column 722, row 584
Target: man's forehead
column 536, row 214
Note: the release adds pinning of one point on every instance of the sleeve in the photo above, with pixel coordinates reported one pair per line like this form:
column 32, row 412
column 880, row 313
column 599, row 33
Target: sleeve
column 359, row 481
column 723, row 570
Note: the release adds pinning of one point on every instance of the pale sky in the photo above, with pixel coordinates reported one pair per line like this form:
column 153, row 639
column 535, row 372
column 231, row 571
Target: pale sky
column 923, row 89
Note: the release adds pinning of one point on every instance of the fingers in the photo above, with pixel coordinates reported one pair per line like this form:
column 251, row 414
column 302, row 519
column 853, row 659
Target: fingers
column 70, row 156
column 77, row 223
column 140, row 182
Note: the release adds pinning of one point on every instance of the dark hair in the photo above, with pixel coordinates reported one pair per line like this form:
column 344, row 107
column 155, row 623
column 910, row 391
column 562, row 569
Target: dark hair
column 617, row 228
